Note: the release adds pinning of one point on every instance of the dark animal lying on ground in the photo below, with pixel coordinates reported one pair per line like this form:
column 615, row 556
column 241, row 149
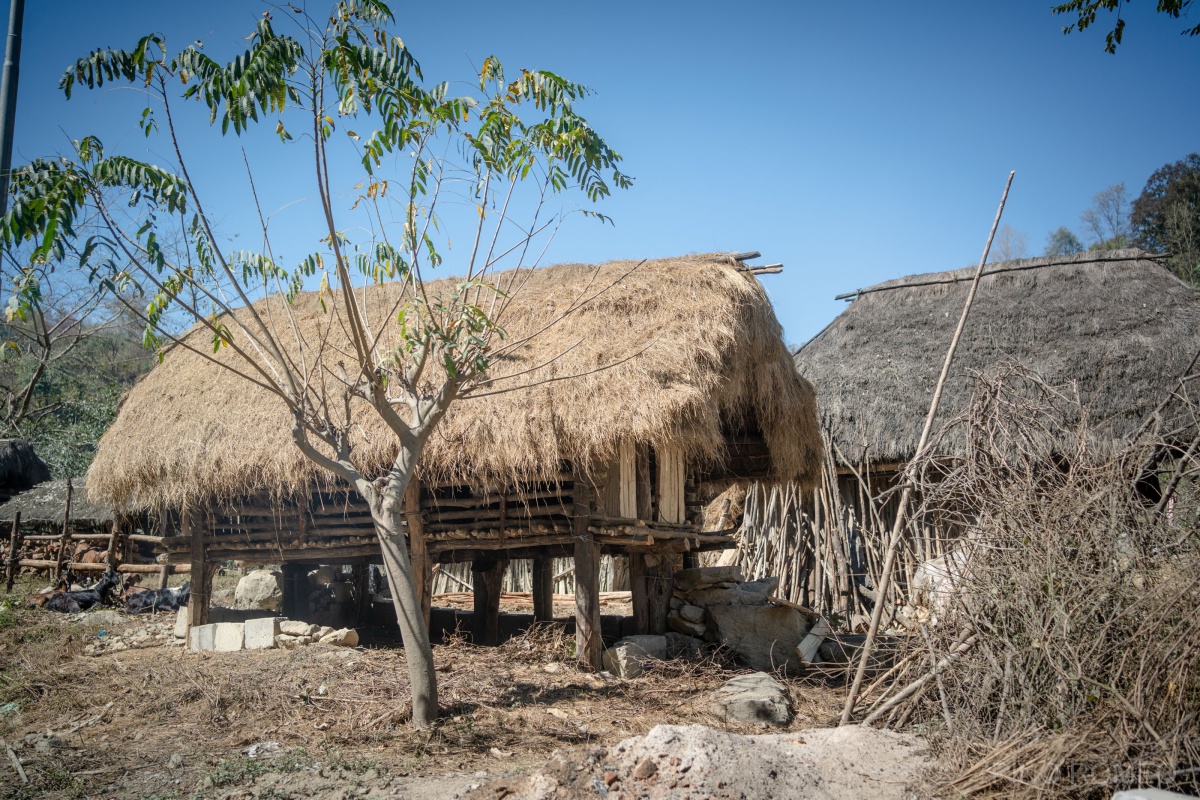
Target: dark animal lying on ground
column 152, row 600
column 74, row 602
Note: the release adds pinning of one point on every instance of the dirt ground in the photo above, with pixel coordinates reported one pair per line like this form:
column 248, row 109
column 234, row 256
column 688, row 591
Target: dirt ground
column 320, row 721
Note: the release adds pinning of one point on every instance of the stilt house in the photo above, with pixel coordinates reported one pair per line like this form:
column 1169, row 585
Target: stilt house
column 673, row 378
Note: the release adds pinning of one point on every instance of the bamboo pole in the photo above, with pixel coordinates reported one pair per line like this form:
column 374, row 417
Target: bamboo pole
column 881, row 589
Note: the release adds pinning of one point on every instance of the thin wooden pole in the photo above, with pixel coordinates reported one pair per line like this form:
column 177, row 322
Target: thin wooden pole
column 543, row 589
column 66, row 533
column 881, row 590
column 14, row 552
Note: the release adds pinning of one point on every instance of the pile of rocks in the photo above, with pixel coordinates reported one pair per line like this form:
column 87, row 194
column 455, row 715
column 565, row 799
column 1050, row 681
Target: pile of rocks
column 154, row 634
column 715, row 605
column 264, row 633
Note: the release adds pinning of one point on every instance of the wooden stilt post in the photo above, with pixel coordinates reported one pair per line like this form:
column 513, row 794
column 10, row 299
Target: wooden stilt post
column 114, row 538
column 543, row 589
column 14, row 552
column 637, row 591
column 588, row 643
column 487, row 580
column 659, row 582
column 295, row 594
column 65, row 540
column 418, row 551
column 164, row 575
column 194, row 524
column 362, row 593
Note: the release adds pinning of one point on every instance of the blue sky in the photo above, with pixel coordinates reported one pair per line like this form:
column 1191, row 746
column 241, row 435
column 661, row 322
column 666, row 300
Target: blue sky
column 852, row 142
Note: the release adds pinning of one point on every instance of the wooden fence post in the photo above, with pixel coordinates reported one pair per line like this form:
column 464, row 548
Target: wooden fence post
column 14, row 550
column 588, row 643
column 66, row 534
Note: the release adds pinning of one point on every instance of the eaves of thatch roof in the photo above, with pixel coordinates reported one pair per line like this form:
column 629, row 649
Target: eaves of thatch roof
column 670, row 352
column 1115, row 324
column 45, row 504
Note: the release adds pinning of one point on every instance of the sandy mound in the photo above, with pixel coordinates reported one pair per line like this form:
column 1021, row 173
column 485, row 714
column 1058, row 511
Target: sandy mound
column 673, row 762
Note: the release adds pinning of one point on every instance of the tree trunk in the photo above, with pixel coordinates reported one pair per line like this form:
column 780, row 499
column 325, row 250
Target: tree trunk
column 388, row 514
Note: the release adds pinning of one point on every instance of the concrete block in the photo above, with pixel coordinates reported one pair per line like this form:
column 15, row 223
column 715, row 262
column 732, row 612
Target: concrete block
column 181, row 623
column 202, row 637
column 261, row 633
column 229, row 637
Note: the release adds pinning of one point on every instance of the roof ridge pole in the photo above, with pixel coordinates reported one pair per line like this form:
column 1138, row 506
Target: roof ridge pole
column 909, row 478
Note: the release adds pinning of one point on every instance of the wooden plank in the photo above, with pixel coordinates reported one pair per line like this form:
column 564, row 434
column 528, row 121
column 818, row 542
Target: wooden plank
column 418, row 548
column 670, row 484
column 543, row 589
column 644, row 489
column 626, row 479
column 487, row 581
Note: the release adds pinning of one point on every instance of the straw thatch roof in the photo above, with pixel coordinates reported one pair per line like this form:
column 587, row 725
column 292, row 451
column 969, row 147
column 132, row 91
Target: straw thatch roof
column 694, row 341
column 45, row 503
column 1117, row 323
column 20, row 467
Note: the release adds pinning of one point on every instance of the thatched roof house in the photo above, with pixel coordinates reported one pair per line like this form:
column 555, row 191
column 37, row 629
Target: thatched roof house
column 20, row 468
column 698, row 354
column 1117, row 324
column 674, row 374
column 45, row 504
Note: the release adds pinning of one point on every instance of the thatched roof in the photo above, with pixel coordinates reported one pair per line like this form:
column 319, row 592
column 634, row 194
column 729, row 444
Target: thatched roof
column 694, row 342
column 1120, row 325
column 44, row 505
column 20, row 467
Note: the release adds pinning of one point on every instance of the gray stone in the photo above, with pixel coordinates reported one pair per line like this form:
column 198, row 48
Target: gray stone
column 753, row 698
column 688, row 579
column 675, row 602
column 1150, row 794
column 764, row 637
column 628, row 657
column 346, row 637
column 104, row 617
column 229, row 637
column 181, row 623
column 261, row 633
column 294, row 627
column 202, row 637
column 692, row 613
column 680, row 625
column 260, row 589
column 750, row 593
column 683, row 646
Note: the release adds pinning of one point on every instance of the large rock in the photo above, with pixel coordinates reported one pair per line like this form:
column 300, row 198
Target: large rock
column 260, row 590
column 345, row 637
column 295, row 627
column 261, row 633
column 680, row 645
column 750, row 593
column 753, row 698
column 688, row 579
column 628, row 657
column 764, row 637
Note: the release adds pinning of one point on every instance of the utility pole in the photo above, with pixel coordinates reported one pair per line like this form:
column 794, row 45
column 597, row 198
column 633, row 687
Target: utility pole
column 8, row 95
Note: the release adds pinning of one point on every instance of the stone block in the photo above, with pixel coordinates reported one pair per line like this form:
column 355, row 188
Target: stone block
column 687, row 580
column 628, row 657
column 750, row 593
column 345, row 637
column 261, row 633
column 260, row 590
column 229, row 637
column 753, row 698
column 181, row 623
column 692, row 613
column 202, row 637
column 682, row 646
column 764, row 637
column 294, row 627
column 676, row 622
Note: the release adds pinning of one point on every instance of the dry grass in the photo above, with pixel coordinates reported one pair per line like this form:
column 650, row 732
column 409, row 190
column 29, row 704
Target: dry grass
column 505, row 708
column 1083, row 675
column 663, row 352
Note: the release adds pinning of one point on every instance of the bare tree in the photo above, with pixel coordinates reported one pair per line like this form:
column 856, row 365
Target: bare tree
column 1010, row 244
column 1107, row 220
column 502, row 152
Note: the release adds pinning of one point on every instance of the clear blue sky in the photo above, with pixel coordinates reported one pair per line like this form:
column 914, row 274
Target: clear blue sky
column 852, row 142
